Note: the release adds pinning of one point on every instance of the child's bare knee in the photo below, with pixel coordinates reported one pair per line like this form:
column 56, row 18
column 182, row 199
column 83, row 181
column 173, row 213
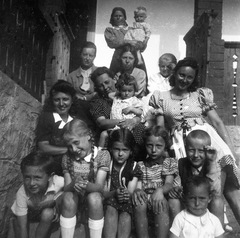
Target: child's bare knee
column 47, row 214
column 94, row 199
column 69, row 201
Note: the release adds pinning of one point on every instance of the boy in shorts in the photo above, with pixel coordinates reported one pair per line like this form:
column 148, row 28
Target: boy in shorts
column 38, row 199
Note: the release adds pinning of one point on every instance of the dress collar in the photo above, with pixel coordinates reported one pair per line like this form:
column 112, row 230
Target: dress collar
column 88, row 157
column 57, row 118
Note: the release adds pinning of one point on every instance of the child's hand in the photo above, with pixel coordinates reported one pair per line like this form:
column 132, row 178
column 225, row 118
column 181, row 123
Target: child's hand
column 128, row 123
column 175, row 192
column 126, row 110
column 80, row 186
column 122, row 195
column 139, row 197
column 159, row 203
column 211, row 153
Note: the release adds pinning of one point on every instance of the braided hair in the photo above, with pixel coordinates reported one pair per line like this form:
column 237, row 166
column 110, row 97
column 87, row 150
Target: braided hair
column 80, row 128
column 124, row 136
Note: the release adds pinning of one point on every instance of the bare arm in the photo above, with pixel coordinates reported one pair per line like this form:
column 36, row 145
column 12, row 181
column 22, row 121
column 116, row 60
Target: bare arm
column 68, row 183
column 45, row 147
column 135, row 110
column 104, row 123
column 99, row 182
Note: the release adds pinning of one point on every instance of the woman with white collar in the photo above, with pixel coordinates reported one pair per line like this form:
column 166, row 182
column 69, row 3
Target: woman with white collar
column 114, row 37
column 56, row 113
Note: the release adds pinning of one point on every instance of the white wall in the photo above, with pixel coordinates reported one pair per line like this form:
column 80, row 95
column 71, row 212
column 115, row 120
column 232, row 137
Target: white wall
column 170, row 20
column 231, row 20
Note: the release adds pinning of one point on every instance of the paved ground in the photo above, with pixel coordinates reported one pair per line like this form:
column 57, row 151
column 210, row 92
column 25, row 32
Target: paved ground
column 233, row 223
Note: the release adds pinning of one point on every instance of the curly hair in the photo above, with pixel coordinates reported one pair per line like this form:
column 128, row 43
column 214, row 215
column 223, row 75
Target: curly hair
column 128, row 80
column 186, row 62
column 61, row 86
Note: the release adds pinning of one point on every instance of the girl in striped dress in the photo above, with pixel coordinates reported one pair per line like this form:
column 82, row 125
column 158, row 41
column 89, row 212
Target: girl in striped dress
column 160, row 174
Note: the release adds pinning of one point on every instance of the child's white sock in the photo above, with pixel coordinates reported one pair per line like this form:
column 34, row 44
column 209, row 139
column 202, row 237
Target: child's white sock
column 95, row 227
column 67, row 226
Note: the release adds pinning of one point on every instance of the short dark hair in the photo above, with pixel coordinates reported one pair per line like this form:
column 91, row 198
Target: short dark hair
column 198, row 134
column 38, row 159
column 115, row 9
column 189, row 62
column 100, row 71
column 196, row 181
column 89, row 44
column 126, row 79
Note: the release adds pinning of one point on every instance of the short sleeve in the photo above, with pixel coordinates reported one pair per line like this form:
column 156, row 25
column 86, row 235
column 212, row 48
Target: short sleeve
column 170, row 167
column 156, row 101
column 177, row 225
column 20, row 206
column 103, row 160
column 137, row 172
column 206, row 99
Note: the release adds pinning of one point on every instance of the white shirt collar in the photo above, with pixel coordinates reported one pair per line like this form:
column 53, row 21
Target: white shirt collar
column 88, row 157
column 57, row 118
column 51, row 185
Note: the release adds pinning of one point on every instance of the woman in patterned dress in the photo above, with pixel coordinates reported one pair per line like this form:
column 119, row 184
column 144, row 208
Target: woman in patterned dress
column 183, row 109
